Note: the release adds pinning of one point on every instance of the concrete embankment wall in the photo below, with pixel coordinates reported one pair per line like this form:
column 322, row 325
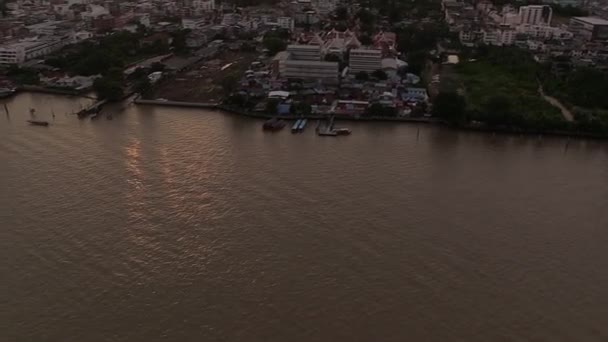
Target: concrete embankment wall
column 176, row 103
column 38, row 89
column 423, row 120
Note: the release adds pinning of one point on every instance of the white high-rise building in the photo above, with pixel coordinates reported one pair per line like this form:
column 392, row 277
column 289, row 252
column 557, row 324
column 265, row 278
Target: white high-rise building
column 368, row 60
column 304, row 52
column 327, row 72
column 535, row 15
column 204, row 5
column 286, row 23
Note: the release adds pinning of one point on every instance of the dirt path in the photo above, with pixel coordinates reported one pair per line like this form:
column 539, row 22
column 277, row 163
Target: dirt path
column 555, row 103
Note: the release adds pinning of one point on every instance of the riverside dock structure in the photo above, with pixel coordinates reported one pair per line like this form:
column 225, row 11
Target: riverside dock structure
column 53, row 91
column 208, row 105
column 94, row 108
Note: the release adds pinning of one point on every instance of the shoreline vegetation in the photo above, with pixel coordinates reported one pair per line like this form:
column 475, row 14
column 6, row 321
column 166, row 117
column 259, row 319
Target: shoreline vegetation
column 505, row 89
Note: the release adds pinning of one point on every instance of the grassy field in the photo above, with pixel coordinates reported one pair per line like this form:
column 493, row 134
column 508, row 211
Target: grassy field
column 482, row 81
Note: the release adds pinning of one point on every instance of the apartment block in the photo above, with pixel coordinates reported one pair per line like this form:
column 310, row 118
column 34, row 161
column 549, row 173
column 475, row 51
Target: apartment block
column 368, row 60
column 304, row 52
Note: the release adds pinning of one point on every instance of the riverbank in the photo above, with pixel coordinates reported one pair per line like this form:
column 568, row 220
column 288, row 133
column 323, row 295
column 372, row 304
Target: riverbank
column 422, row 120
column 52, row 91
column 210, row 105
column 261, row 115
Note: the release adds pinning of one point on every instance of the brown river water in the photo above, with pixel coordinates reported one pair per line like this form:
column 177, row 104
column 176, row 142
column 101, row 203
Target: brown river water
column 169, row 224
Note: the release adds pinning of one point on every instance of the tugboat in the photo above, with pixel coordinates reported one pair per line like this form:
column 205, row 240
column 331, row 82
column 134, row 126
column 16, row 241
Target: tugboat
column 342, row 131
column 38, row 122
column 273, row 124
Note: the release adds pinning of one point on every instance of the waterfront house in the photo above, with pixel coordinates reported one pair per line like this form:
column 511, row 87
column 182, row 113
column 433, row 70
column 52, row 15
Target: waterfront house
column 350, row 107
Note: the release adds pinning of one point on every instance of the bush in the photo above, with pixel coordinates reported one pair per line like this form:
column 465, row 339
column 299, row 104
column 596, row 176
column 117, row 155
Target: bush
column 451, row 107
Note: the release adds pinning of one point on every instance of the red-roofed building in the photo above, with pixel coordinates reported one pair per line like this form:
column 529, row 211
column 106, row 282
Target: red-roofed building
column 385, row 41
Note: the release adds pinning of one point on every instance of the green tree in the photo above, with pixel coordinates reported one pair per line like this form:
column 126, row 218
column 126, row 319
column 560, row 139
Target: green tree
column 416, row 61
column 23, row 75
column 366, row 17
column 332, row 57
column 303, row 108
column 179, row 41
column 362, row 76
column 237, row 100
column 366, row 40
column 157, row 66
column 143, row 86
column 108, row 88
column 138, row 73
column 499, row 111
column 378, row 110
column 271, row 106
column 274, row 45
column 229, row 83
column 450, row 107
column 341, row 13
column 569, row 11
column 375, row 109
column 380, row 75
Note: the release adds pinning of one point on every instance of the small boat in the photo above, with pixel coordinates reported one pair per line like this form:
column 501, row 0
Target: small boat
column 302, row 125
column 38, row 122
column 273, row 124
column 296, row 126
column 342, row 131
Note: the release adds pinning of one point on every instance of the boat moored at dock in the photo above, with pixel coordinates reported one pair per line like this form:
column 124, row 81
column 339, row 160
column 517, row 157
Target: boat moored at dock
column 296, row 126
column 327, row 133
column 38, row 122
column 342, row 131
column 302, row 125
column 299, row 125
column 273, row 124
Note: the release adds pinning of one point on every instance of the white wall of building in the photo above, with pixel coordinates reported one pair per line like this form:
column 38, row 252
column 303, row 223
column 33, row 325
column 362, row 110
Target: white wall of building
column 286, row 23
column 368, row 60
column 20, row 52
column 325, row 71
column 535, row 15
column 193, row 23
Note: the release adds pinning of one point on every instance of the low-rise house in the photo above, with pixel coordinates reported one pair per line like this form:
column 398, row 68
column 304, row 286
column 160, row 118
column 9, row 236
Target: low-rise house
column 350, row 107
column 415, row 95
